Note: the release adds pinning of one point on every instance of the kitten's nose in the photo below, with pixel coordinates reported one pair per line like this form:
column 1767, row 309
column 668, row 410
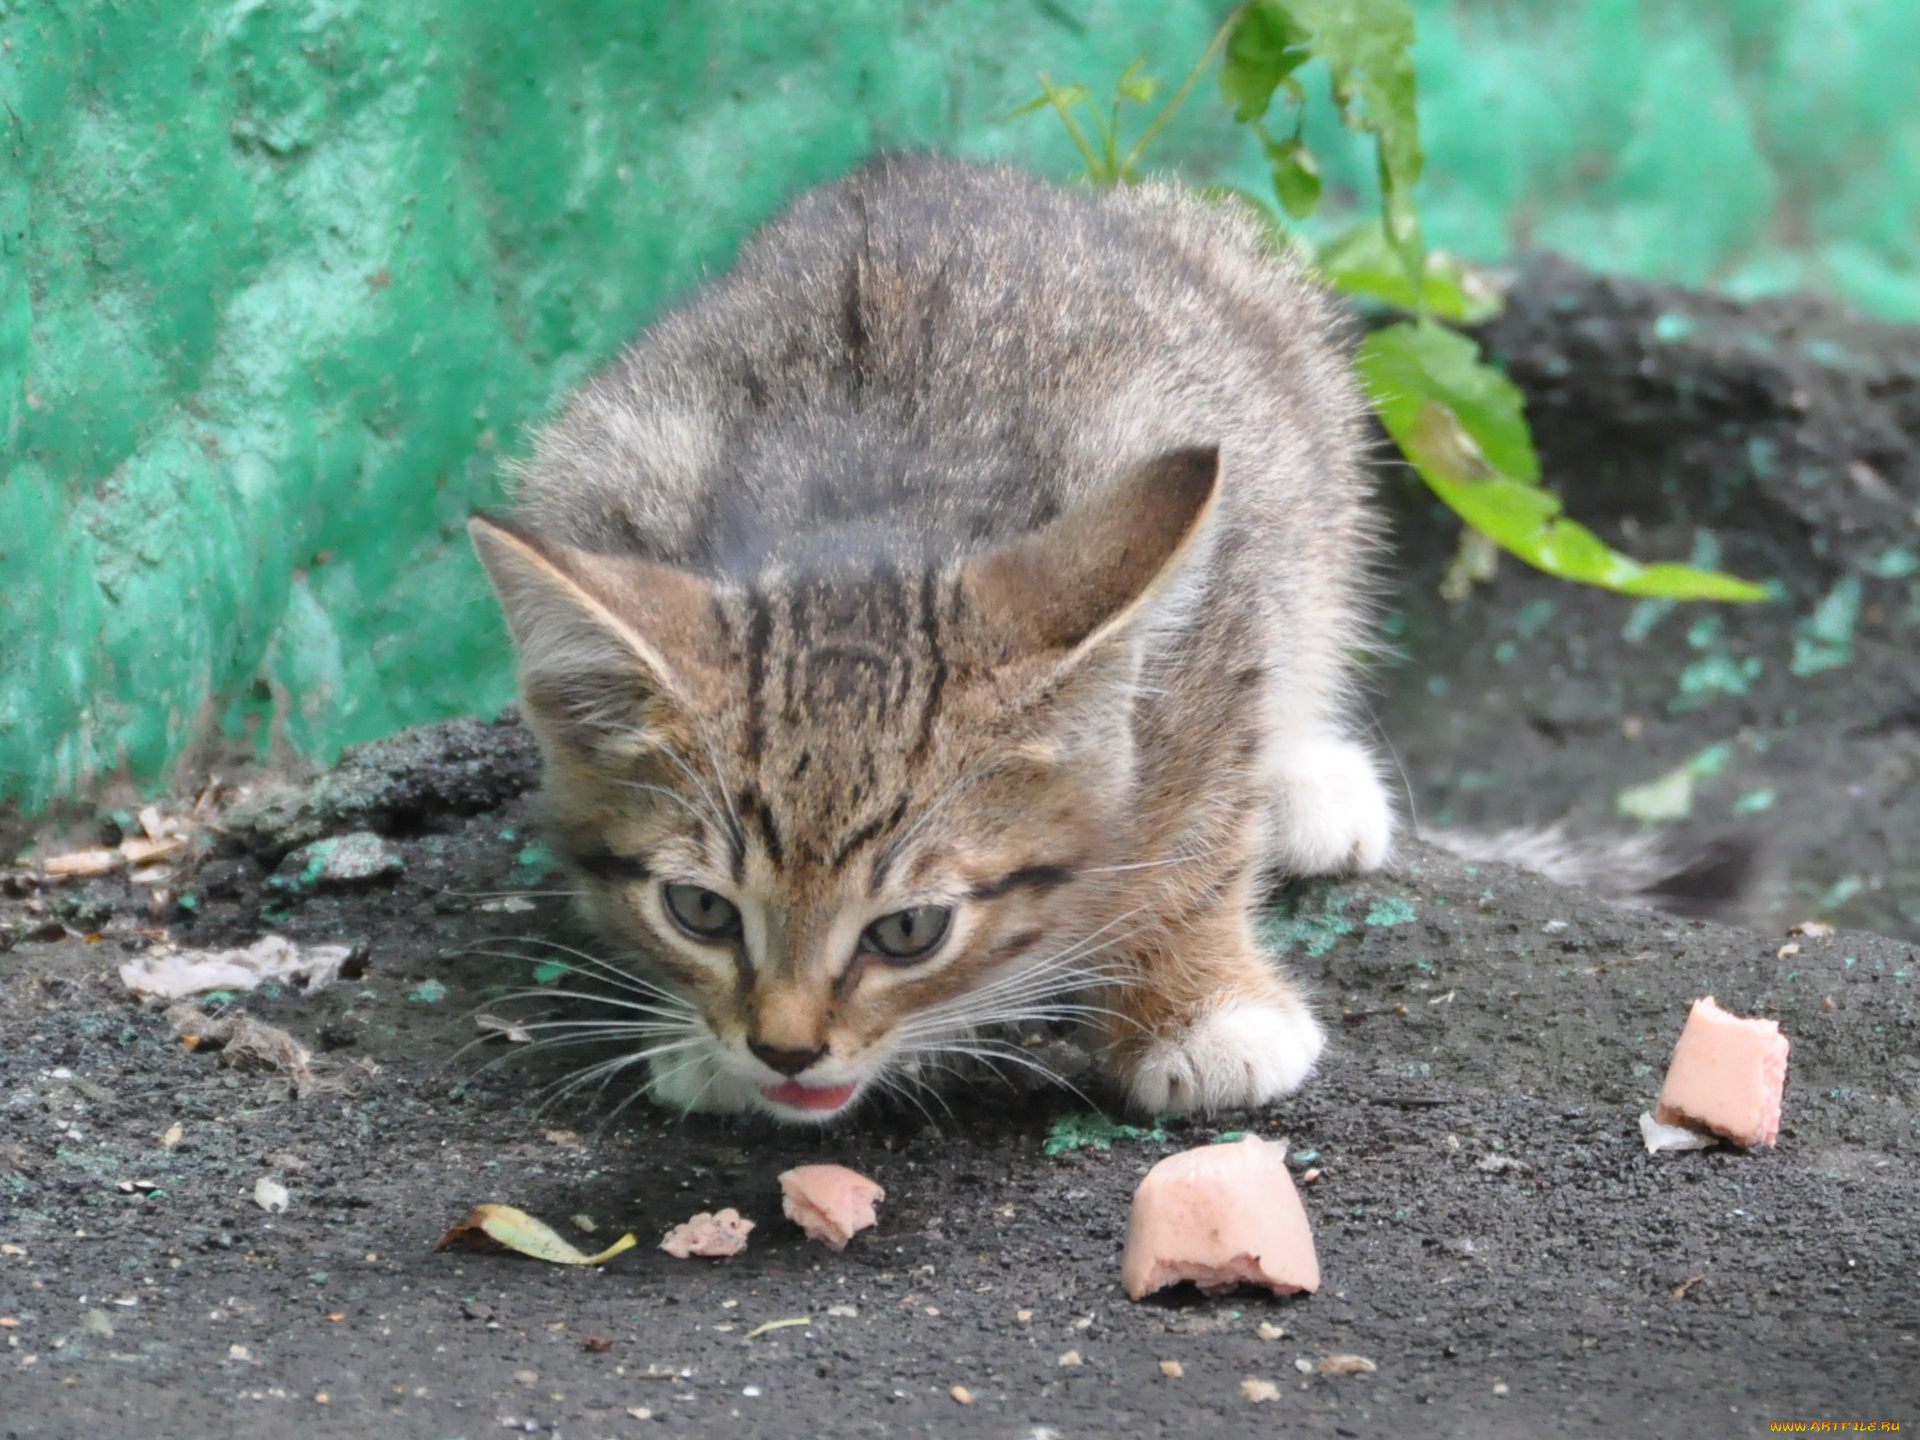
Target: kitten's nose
column 787, row 1062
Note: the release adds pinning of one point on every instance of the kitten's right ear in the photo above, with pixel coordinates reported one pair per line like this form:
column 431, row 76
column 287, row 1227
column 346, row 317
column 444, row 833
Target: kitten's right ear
column 605, row 641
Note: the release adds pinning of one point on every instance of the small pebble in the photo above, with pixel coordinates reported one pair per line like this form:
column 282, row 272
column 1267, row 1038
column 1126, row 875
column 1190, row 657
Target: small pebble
column 962, row 1394
column 1270, row 1331
column 1172, row 1369
column 1500, row 1389
column 1072, row 1357
column 1259, row 1390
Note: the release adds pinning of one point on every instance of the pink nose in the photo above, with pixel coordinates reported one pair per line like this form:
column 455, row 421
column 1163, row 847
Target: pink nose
column 787, row 1062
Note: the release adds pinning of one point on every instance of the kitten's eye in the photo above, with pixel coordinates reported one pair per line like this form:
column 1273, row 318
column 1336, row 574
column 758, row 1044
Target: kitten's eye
column 701, row 913
column 907, row 934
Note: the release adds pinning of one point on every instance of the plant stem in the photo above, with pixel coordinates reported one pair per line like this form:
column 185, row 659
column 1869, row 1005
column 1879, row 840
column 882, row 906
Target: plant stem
column 1178, row 98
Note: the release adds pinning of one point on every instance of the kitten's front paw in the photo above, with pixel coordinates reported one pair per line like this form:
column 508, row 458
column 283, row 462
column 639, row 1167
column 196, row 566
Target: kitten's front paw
column 695, row 1080
column 1235, row 1057
column 1331, row 813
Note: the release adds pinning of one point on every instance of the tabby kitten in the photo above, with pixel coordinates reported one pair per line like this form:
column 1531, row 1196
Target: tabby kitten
column 944, row 619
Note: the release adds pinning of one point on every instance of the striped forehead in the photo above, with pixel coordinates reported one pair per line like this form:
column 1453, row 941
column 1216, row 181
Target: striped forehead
column 842, row 683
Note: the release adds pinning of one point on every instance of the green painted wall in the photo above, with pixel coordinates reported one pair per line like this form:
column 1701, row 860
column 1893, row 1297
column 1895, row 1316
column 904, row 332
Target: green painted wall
column 281, row 281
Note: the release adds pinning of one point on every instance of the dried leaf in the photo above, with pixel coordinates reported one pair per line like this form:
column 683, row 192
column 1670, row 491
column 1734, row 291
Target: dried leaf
column 142, row 852
column 95, row 861
column 519, row 1231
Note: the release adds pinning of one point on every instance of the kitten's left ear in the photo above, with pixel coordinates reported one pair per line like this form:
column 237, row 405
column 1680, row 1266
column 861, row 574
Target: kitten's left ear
column 1058, row 594
column 603, row 640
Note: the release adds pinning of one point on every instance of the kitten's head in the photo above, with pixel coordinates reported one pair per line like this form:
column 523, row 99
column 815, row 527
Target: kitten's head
column 849, row 814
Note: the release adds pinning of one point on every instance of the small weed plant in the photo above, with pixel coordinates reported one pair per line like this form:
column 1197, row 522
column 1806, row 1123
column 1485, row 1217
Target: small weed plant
column 1458, row 421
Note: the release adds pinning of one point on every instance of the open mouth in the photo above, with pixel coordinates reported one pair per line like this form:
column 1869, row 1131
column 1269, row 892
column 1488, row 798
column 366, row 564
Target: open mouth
column 809, row 1097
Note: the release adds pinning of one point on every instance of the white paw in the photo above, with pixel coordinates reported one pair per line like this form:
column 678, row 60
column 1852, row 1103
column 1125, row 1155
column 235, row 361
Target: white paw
column 696, row 1080
column 1241, row 1056
column 1330, row 812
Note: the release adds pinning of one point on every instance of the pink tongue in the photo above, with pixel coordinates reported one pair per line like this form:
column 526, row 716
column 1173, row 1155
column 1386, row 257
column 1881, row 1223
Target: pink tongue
column 809, row 1097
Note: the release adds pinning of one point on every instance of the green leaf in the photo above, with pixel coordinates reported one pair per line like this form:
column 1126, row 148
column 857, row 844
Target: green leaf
column 1367, row 46
column 1360, row 261
column 1095, row 1131
column 1462, row 426
column 1134, row 86
column 1296, row 176
column 1267, row 45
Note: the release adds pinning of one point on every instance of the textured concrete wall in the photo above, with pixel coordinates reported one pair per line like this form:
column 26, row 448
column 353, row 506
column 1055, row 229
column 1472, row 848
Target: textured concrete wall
column 284, row 281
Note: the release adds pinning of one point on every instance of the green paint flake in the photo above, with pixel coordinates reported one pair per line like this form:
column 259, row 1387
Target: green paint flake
column 1754, row 802
column 1090, row 1131
column 535, row 862
column 1672, row 327
column 1230, row 1137
column 1894, row 564
column 1643, row 617
column 1309, row 921
column 1704, row 633
column 1712, row 676
column 1391, row 911
column 548, row 971
column 1824, row 640
column 1532, row 617
column 427, row 992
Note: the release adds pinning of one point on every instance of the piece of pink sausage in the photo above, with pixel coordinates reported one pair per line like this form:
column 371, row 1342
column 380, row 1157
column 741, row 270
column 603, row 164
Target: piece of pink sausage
column 830, row 1202
column 1727, row 1075
column 1220, row 1216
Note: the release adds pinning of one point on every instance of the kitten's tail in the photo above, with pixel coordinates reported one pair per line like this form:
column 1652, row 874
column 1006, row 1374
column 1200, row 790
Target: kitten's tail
column 1708, row 880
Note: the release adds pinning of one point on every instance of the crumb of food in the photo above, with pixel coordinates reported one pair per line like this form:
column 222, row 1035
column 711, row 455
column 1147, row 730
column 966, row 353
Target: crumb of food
column 1727, row 1075
column 830, row 1202
column 716, row 1236
column 1220, row 1216
column 1346, row 1365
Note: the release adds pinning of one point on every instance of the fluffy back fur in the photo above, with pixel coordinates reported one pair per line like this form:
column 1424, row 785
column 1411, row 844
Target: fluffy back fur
column 973, row 548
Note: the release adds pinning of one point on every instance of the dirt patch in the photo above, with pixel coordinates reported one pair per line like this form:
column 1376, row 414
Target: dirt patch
column 1492, row 1234
column 1779, row 440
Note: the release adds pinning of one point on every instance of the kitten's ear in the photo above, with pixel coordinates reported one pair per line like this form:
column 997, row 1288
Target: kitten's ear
column 604, row 640
column 1060, row 592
